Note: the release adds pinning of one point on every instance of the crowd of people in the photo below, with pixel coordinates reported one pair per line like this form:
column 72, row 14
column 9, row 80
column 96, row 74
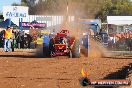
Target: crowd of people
column 10, row 39
column 121, row 41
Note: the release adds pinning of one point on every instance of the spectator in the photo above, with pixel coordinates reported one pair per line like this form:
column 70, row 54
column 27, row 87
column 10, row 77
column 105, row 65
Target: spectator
column 129, row 43
column 12, row 39
column 2, row 38
column 28, row 40
column 7, row 41
column 18, row 39
column 22, row 42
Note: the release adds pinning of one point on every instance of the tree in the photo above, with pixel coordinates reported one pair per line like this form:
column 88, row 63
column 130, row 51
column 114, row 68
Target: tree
column 24, row 1
column 116, row 8
column 15, row 4
column 81, row 8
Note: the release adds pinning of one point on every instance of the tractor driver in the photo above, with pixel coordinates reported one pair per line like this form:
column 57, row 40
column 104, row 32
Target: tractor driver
column 62, row 41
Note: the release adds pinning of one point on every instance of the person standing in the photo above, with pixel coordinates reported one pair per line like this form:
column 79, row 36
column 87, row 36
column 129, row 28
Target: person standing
column 28, row 40
column 18, row 39
column 22, row 42
column 7, row 37
column 12, row 39
column 1, row 39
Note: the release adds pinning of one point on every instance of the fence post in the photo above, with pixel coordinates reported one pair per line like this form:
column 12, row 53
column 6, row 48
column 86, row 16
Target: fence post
column 20, row 23
column 20, row 26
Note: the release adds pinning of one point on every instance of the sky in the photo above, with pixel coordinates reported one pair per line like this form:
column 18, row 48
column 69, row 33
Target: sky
column 7, row 3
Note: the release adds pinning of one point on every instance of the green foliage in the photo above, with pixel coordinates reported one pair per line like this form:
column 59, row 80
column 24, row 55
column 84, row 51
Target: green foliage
column 80, row 8
column 23, row 3
column 15, row 4
column 116, row 8
column 76, row 7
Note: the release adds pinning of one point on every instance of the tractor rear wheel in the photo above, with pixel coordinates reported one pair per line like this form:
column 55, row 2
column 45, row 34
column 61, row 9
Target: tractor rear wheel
column 70, row 54
column 46, row 51
column 76, row 49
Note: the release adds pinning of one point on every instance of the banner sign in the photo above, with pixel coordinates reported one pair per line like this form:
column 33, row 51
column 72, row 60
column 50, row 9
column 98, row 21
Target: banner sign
column 37, row 25
column 15, row 11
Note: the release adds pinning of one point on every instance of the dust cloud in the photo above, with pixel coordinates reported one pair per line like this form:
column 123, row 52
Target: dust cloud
column 97, row 50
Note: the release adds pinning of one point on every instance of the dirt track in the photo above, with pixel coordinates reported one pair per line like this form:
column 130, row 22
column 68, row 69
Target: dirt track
column 22, row 70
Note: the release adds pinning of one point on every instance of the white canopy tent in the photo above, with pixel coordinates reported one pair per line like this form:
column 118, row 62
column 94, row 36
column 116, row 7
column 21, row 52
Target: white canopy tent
column 119, row 20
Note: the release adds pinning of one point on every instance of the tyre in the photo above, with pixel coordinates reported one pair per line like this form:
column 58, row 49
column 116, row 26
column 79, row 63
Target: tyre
column 46, row 51
column 70, row 54
column 76, row 49
column 46, row 45
column 51, row 48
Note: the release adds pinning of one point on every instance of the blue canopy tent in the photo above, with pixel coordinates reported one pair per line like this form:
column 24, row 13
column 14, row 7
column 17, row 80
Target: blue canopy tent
column 6, row 23
column 94, row 25
column 87, row 22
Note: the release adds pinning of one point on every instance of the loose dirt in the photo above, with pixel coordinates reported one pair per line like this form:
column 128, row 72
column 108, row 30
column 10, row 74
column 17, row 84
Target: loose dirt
column 20, row 69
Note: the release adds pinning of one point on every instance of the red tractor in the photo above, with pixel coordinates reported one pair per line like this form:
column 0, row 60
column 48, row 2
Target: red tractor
column 64, row 45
